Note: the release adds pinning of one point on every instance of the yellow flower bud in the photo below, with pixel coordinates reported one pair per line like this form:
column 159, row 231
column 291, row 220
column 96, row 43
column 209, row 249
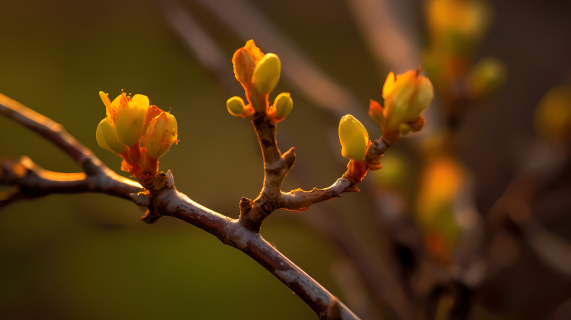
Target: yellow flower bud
column 405, row 98
column 282, row 106
column 236, row 107
column 353, row 137
column 162, row 132
column 267, row 73
column 552, row 118
column 130, row 118
column 107, row 138
column 486, row 76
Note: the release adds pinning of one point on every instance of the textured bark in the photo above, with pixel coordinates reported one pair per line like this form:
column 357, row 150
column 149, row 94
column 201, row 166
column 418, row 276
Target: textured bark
column 162, row 199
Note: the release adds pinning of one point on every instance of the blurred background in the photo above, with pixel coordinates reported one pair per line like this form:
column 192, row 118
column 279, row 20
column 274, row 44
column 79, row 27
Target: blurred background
column 89, row 256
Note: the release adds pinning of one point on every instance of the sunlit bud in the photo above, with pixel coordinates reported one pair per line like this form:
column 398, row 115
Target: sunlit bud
column 267, row 73
column 162, row 132
column 245, row 60
column 457, row 25
column 552, row 118
column 236, row 107
column 405, row 98
column 130, row 118
column 486, row 76
column 353, row 137
column 107, row 138
column 282, row 106
column 376, row 112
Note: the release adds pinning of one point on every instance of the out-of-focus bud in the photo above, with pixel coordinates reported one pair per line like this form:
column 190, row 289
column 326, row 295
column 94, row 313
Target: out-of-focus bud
column 405, row 98
column 130, row 118
column 107, row 138
column 457, row 25
column 353, row 137
column 282, row 106
column 267, row 73
column 245, row 60
column 552, row 118
column 162, row 132
column 395, row 172
column 237, row 108
column 376, row 112
column 485, row 77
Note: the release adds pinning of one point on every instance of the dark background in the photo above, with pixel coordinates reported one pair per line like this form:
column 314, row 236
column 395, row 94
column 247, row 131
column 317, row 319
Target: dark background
column 89, row 256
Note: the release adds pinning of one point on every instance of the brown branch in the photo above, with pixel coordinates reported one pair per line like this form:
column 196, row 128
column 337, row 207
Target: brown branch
column 276, row 168
column 162, row 200
column 34, row 181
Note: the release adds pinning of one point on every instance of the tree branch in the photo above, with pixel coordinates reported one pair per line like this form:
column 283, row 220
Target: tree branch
column 34, row 181
column 162, row 200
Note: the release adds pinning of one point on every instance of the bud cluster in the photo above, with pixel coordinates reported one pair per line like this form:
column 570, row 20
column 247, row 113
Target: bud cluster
column 406, row 96
column 259, row 74
column 130, row 120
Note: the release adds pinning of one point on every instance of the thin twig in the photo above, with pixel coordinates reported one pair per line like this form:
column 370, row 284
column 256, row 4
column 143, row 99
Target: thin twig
column 34, row 181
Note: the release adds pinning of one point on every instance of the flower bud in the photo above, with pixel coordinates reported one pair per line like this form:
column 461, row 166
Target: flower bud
column 486, row 76
column 130, row 118
column 107, row 138
column 282, row 106
column 353, row 137
column 245, row 60
column 162, row 132
column 552, row 117
column 236, row 107
column 267, row 73
column 405, row 98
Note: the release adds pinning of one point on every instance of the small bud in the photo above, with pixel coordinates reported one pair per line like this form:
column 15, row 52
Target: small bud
column 236, row 107
column 282, row 106
column 267, row 73
column 552, row 117
column 486, row 76
column 245, row 60
column 353, row 137
column 405, row 98
column 162, row 132
column 130, row 119
column 107, row 138
column 170, row 180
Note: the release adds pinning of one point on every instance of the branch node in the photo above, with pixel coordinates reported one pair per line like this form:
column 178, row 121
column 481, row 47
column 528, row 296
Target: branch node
column 141, row 199
column 151, row 217
column 289, row 157
column 170, row 180
column 245, row 205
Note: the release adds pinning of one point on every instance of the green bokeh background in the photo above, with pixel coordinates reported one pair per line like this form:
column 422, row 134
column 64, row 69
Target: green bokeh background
column 89, row 256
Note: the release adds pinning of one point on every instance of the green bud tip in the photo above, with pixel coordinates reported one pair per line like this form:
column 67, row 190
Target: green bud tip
column 267, row 73
column 283, row 105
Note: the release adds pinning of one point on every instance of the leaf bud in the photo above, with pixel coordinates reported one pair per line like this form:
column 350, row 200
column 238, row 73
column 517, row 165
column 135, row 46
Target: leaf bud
column 282, row 106
column 267, row 73
column 353, row 137
column 237, row 108
column 405, row 98
column 486, row 76
column 162, row 132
